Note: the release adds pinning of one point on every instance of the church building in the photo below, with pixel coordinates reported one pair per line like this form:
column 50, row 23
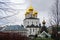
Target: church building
column 31, row 22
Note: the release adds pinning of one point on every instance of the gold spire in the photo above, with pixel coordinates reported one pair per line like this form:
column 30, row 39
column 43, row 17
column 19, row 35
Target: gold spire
column 30, row 2
column 30, row 8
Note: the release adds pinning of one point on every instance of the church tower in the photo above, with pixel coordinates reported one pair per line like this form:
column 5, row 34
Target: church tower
column 31, row 22
column 44, row 28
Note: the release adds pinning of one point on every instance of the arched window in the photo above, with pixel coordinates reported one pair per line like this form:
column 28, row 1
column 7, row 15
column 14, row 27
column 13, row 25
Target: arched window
column 28, row 22
column 33, row 29
column 30, row 30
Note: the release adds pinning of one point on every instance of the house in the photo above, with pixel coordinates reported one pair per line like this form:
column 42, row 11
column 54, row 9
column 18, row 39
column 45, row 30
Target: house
column 44, row 32
column 44, row 35
column 15, row 29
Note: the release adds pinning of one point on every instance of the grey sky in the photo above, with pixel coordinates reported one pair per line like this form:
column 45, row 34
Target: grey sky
column 42, row 6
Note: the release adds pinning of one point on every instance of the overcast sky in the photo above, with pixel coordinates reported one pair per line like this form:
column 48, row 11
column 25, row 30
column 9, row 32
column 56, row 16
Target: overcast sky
column 42, row 6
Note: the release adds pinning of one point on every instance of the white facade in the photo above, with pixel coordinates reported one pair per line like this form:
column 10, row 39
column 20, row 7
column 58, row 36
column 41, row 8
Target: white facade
column 32, row 31
column 31, row 21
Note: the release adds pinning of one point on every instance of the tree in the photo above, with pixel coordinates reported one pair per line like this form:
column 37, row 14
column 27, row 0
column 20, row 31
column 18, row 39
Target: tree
column 55, row 19
column 7, row 11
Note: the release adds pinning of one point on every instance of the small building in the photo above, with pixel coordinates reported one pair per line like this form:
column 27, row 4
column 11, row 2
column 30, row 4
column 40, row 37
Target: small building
column 44, row 35
column 44, row 28
column 44, row 32
column 15, row 29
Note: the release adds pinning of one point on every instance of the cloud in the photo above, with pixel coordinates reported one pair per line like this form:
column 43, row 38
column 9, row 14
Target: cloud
column 42, row 6
column 18, row 1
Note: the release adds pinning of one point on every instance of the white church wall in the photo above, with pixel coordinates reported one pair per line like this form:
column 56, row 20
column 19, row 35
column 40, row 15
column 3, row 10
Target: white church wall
column 31, row 32
column 31, row 21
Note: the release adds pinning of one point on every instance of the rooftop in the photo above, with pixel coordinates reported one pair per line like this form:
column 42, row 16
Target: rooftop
column 14, row 28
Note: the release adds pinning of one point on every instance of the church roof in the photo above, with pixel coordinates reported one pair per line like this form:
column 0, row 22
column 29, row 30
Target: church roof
column 32, row 26
column 31, row 9
column 14, row 28
column 1, row 28
column 43, row 34
column 32, row 18
column 27, row 12
column 44, row 28
column 35, row 12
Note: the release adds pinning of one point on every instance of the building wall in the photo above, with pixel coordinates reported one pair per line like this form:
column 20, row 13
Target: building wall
column 32, row 31
column 31, row 21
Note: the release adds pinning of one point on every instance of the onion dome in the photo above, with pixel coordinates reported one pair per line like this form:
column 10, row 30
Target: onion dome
column 35, row 12
column 43, row 22
column 27, row 12
column 30, row 8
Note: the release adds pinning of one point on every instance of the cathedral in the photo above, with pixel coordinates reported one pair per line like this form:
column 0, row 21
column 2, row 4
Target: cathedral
column 31, row 21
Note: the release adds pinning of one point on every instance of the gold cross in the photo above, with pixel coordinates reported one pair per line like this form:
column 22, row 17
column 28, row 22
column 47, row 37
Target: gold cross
column 30, row 2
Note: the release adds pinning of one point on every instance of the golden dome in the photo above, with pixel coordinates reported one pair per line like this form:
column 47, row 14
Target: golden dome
column 30, row 8
column 27, row 12
column 35, row 12
column 43, row 22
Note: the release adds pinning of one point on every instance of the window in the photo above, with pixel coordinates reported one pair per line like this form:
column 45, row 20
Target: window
column 36, row 29
column 28, row 22
column 36, row 22
column 33, row 29
column 32, row 22
column 30, row 30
